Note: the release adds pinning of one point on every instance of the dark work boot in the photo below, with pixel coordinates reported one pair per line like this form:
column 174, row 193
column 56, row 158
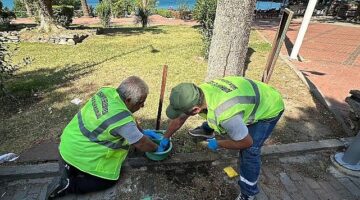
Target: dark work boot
column 59, row 185
column 202, row 131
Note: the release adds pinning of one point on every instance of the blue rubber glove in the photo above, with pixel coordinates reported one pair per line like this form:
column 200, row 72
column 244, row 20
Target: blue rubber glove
column 164, row 143
column 160, row 149
column 152, row 134
column 212, row 144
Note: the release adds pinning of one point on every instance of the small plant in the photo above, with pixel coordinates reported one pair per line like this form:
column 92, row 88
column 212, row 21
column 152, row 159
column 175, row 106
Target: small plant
column 103, row 11
column 19, row 9
column 63, row 15
column 164, row 13
column 184, row 9
column 75, row 3
column 122, row 8
column 144, row 10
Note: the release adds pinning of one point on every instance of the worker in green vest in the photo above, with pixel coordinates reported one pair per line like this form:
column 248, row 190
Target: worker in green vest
column 245, row 109
column 96, row 141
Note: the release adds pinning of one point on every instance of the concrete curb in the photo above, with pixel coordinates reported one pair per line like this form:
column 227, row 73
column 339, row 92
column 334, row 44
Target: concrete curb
column 51, row 169
column 314, row 90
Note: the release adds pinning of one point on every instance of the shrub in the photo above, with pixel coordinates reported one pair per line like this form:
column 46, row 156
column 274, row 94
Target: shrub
column 184, row 9
column 164, row 12
column 121, row 7
column 204, row 12
column 103, row 11
column 63, row 15
column 74, row 3
column 6, row 16
column 144, row 10
column 19, row 9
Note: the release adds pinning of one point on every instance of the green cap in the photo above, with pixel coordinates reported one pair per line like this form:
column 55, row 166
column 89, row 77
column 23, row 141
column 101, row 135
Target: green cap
column 182, row 98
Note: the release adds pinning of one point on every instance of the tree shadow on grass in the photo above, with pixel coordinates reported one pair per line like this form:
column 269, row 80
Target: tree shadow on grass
column 29, row 87
column 25, row 86
column 123, row 31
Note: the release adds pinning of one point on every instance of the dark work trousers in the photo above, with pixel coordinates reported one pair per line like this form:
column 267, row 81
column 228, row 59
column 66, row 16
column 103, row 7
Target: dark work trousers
column 81, row 182
column 250, row 160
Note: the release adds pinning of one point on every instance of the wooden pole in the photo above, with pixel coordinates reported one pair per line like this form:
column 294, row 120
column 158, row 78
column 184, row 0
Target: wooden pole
column 163, row 84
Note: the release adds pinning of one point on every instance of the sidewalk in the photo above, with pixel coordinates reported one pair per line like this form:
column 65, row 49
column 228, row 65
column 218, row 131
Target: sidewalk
column 331, row 54
column 308, row 176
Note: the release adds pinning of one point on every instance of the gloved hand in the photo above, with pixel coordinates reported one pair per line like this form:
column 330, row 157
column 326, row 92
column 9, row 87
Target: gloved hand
column 160, row 149
column 152, row 134
column 164, row 144
column 212, row 144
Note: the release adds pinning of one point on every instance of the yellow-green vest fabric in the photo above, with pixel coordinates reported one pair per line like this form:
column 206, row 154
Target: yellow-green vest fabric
column 229, row 96
column 87, row 142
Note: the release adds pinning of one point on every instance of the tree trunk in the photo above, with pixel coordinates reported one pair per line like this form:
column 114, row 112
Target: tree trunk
column 47, row 23
column 230, row 40
column 28, row 8
column 85, row 8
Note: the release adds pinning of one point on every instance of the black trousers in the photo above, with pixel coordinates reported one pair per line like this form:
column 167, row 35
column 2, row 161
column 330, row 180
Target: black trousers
column 81, row 182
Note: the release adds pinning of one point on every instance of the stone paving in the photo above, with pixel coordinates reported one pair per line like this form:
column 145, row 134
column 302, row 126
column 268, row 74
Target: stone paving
column 331, row 54
column 310, row 176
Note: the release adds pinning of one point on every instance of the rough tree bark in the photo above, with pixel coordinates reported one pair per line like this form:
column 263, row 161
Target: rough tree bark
column 230, row 40
column 47, row 23
column 85, row 8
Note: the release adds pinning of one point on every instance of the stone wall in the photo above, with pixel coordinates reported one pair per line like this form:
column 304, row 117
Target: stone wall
column 71, row 37
column 10, row 36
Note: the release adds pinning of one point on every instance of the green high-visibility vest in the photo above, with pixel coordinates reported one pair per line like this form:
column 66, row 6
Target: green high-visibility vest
column 229, row 96
column 87, row 142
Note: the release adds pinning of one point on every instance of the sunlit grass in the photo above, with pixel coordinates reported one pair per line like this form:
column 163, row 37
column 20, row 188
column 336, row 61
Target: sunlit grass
column 59, row 74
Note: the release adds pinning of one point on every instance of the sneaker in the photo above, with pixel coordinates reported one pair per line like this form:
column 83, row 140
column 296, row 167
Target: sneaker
column 244, row 197
column 57, row 187
column 200, row 132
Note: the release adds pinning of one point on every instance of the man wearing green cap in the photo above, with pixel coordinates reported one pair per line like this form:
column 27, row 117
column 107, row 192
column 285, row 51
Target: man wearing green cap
column 246, row 110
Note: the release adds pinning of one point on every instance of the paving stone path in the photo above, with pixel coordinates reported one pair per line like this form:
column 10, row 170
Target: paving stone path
column 309, row 177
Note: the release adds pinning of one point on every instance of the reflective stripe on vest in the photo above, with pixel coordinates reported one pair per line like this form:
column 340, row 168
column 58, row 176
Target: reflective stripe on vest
column 92, row 135
column 237, row 100
column 104, row 104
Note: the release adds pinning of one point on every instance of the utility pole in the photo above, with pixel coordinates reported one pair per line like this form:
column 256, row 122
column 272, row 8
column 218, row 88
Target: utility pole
column 304, row 25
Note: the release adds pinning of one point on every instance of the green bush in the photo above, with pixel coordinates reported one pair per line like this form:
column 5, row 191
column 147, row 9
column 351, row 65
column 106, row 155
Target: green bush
column 144, row 8
column 164, row 12
column 204, row 12
column 121, row 7
column 63, row 15
column 103, row 11
column 74, row 3
column 184, row 9
column 19, row 9
column 5, row 17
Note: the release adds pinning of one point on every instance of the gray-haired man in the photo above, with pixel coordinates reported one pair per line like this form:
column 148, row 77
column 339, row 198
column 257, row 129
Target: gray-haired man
column 96, row 141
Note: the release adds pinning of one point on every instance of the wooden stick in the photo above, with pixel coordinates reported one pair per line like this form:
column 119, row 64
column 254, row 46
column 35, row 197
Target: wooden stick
column 163, row 84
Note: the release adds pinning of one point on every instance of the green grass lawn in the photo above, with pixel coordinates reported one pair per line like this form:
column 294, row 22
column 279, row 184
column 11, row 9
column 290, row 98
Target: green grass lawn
column 59, row 74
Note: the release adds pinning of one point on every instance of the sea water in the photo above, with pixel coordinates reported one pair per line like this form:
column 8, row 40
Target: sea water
column 160, row 3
